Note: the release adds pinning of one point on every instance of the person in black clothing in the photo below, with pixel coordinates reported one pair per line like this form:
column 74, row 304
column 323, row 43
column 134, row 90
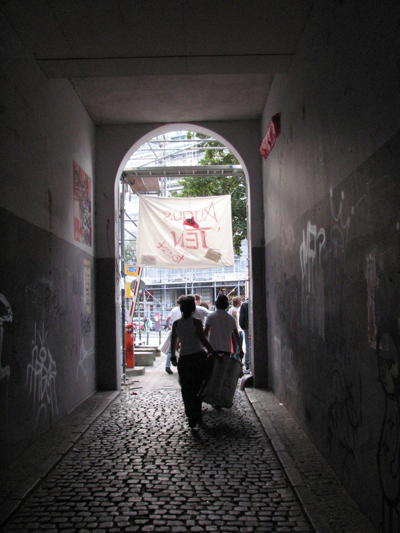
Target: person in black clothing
column 244, row 324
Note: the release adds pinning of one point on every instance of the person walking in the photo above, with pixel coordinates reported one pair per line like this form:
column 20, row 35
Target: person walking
column 244, row 324
column 234, row 311
column 201, row 312
column 192, row 363
column 221, row 325
column 175, row 314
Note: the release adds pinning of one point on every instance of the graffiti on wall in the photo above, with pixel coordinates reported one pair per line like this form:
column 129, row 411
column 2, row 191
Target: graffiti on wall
column 288, row 370
column 340, row 227
column 41, row 377
column 85, row 361
column 345, row 261
column 388, row 455
column 312, row 251
column 55, row 311
column 344, row 411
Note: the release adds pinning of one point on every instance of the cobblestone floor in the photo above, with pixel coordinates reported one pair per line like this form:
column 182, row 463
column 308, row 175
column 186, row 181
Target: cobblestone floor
column 140, row 468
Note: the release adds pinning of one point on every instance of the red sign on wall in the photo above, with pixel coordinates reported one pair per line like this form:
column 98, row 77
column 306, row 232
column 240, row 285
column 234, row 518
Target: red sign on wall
column 82, row 206
column 273, row 132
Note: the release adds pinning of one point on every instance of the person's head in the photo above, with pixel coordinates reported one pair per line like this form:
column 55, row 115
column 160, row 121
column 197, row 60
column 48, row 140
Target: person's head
column 222, row 302
column 188, row 306
column 205, row 304
column 197, row 299
column 180, row 298
column 237, row 301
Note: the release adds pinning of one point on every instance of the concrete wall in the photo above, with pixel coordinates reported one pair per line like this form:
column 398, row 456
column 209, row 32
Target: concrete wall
column 47, row 318
column 332, row 225
column 114, row 145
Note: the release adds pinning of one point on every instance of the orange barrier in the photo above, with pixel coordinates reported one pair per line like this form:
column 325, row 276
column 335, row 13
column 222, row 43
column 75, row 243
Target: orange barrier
column 129, row 352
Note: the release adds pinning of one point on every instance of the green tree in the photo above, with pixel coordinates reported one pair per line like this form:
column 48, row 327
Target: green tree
column 130, row 252
column 216, row 186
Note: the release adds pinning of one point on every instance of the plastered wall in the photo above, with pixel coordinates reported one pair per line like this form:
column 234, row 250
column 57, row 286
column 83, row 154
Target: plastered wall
column 332, row 224
column 47, row 311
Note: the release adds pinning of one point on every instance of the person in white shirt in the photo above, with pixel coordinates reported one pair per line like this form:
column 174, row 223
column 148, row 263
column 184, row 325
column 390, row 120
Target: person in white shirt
column 221, row 325
column 201, row 312
column 192, row 363
column 235, row 311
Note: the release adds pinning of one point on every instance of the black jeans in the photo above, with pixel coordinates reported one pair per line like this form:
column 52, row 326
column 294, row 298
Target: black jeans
column 192, row 369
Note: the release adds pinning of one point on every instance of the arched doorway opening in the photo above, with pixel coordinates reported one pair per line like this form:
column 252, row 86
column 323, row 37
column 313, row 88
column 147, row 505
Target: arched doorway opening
column 114, row 146
column 187, row 164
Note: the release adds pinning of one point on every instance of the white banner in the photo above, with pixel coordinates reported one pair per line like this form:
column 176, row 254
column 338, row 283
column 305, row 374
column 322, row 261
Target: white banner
column 184, row 232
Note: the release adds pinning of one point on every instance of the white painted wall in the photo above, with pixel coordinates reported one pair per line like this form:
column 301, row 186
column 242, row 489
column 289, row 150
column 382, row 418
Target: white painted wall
column 43, row 129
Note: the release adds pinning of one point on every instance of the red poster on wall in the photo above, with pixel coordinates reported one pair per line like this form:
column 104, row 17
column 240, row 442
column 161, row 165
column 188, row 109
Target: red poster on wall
column 82, row 206
column 273, row 132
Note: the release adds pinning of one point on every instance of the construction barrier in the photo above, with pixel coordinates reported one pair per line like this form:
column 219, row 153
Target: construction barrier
column 129, row 351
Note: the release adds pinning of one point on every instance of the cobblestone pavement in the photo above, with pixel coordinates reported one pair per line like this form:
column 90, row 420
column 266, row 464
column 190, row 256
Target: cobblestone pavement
column 129, row 462
column 140, row 468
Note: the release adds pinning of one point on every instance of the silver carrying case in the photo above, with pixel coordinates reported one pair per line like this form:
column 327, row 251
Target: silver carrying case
column 219, row 388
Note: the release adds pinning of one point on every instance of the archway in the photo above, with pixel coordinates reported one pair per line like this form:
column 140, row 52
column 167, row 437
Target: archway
column 115, row 144
column 188, row 164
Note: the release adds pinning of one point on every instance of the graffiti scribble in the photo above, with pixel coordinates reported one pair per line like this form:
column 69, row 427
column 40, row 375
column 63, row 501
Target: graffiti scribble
column 312, row 279
column 41, row 378
column 84, row 360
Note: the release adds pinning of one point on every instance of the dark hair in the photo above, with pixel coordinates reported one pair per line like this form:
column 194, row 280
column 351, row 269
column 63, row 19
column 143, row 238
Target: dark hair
column 222, row 302
column 188, row 306
column 180, row 298
column 197, row 297
column 205, row 304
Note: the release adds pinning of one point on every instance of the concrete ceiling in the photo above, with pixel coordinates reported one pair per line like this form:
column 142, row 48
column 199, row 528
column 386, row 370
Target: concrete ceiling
column 162, row 60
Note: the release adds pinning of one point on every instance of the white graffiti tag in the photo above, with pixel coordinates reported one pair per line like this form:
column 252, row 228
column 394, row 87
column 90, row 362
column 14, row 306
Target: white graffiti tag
column 85, row 358
column 312, row 279
column 41, row 377
column 340, row 228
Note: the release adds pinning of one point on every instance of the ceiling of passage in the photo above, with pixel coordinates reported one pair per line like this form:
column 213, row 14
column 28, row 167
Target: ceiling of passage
column 162, row 61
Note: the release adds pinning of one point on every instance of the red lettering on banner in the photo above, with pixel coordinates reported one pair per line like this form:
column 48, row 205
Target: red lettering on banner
column 203, row 238
column 212, row 214
column 178, row 242
column 190, row 239
column 168, row 252
column 199, row 216
column 192, row 236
